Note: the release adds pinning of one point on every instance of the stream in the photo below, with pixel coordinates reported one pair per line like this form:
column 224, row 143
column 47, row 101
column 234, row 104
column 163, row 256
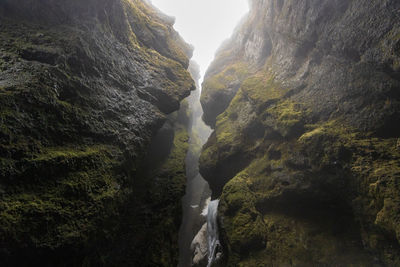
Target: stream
column 213, row 243
column 197, row 190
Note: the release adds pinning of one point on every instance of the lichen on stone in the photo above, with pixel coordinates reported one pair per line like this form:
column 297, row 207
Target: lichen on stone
column 84, row 88
column 305, row 150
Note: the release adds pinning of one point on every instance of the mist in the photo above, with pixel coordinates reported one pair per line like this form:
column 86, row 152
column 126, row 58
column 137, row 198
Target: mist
column 270, row 136
column 205, row 24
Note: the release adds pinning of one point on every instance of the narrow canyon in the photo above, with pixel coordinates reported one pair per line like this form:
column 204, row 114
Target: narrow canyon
column 115, row 152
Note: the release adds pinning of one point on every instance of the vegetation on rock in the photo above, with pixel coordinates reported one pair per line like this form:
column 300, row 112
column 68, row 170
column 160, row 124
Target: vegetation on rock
column 305, row 154
column 84, row 88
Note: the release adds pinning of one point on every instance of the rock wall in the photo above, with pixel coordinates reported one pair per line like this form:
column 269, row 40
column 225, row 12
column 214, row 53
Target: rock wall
column 85, row 87
column 305, row 102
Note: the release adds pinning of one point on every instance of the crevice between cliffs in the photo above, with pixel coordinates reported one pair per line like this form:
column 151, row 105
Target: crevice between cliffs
column 197, row 190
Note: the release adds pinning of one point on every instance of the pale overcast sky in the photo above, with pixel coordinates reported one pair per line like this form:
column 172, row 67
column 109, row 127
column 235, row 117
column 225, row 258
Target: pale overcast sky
column 204, row 23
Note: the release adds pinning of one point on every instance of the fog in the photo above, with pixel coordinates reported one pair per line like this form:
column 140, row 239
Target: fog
column 204, row 23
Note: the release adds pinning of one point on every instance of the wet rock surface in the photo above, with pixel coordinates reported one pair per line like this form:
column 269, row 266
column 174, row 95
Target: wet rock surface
column 304, row 153
column 197, row 191
column 199, row 248
column 84, row 88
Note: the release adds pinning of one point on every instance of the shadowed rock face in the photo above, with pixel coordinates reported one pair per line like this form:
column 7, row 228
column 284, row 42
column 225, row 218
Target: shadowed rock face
column 197, row 191
column 305, row 154
column 84, row 88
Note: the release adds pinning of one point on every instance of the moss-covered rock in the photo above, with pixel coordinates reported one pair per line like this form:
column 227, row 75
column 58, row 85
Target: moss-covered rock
column 84, row 88
column 219, row 89
column 304, row 154
column 154, row 235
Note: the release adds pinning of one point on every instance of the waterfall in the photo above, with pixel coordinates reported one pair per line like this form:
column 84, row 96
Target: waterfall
column 197, row 190
column 212, row 232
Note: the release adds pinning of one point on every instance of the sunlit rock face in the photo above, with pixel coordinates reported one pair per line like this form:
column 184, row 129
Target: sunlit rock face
column 305, row 157
column 84, row 88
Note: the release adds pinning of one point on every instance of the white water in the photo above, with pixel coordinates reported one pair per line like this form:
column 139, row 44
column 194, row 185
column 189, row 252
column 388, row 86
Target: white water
column 205, row 208
column 197, row 190
column 212, row 232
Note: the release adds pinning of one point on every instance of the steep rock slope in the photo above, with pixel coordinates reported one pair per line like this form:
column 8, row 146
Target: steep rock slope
column 84, row 88
column 305, row 155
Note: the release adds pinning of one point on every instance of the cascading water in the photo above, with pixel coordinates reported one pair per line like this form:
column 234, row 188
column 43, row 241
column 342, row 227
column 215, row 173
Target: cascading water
column 203, row 249
column 197, row 190
column 212, row 232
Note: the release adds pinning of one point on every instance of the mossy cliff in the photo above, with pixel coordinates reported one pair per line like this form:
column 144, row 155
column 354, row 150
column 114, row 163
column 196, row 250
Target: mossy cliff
column 305, row 155
column 85, row 87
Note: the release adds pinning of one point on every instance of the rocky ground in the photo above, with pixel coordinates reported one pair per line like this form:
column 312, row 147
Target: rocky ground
column 305, row 154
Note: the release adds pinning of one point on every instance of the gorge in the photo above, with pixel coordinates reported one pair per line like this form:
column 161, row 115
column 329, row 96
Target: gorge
column 104, row 144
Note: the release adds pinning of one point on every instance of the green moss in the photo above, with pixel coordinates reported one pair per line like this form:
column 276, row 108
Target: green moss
column 209, row 153
column 243, row 224
column 234, row 73
column 176, row 160
column 290, row 242
column 228, row 126
column 59, row 210
column 303, row 158
column 323, row 192
column 374, row 164
column 295, row 237
column 225, row 130
column 69, row 177
column 262, row 89
column 145, row 28
column 165, row 191
column 60, row 153
column 175, row 164
column 256, row 107
column 237, row 194
column 180, row 77
column 282, row 237
column 176, row 80
column 289, row 117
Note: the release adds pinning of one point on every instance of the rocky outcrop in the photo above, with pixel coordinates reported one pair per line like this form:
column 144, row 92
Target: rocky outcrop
column 85, row 87
column 199, row 248
column 305, row 154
